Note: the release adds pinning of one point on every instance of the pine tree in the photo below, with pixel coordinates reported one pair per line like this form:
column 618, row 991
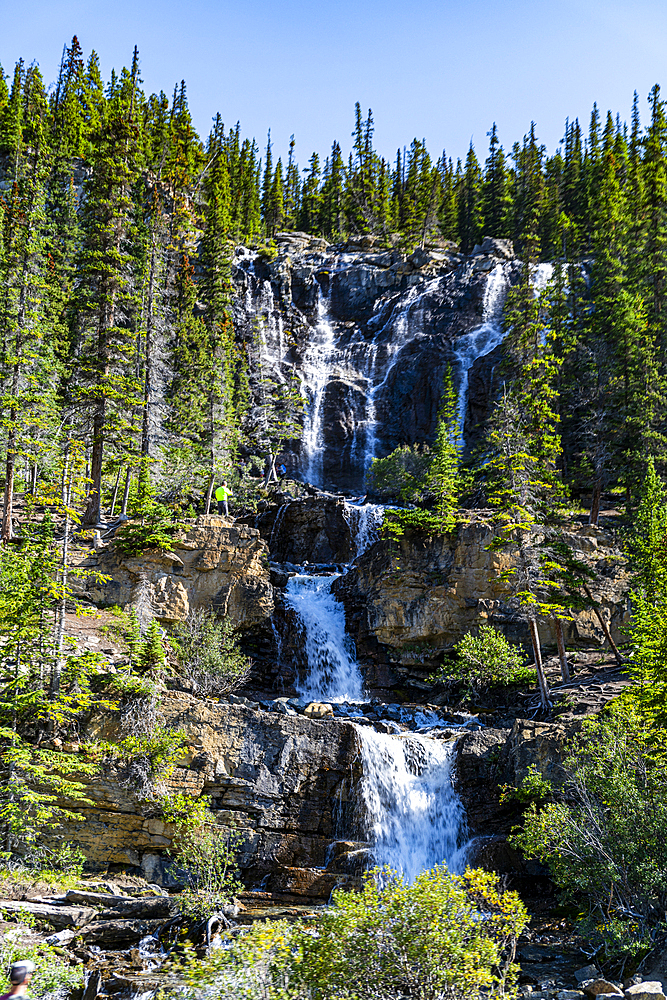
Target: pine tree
column 443, row 476
column 496, row 198
column 469, row 202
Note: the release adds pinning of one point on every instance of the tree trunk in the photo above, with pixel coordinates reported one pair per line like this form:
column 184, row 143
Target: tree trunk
column 595, row 503
column 115, row 492
column 618, row 656
column 126, row 492
column 92, row 513
column 60, row 632
column 209, row 494
column 560, row 641
column 10, row 469
column 537, row 653
column 270, row 469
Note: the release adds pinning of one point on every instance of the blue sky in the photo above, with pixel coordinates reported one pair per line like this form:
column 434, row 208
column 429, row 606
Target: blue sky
column 440, row 70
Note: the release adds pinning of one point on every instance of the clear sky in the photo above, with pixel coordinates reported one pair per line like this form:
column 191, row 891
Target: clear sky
column 443, row 70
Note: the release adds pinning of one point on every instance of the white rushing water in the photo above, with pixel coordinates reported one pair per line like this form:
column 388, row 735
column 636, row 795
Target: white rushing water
column 316, row 374
column 333, row 672
column 480, row 341
column 486, row 337
column 365, row 521
column 410, row 812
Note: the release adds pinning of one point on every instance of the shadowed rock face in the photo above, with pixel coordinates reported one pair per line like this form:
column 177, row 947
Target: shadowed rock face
column 391, row 323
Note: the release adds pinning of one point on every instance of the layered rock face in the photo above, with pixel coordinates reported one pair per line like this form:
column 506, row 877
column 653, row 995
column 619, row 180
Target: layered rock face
column 283, row 782
column 216, row 564
column 407, row 602
column 370, row 334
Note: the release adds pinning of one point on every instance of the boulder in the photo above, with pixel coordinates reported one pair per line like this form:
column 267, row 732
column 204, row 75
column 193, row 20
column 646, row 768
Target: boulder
column 317, row 710
column 600, row 987
column 645, row 991
column 60, row 916
column 495, row 247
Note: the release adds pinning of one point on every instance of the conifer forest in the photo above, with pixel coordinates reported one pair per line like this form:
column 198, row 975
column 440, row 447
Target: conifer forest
column 333, row 553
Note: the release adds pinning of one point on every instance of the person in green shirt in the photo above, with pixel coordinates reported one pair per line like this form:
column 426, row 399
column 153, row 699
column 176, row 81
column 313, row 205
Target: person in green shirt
column 222, row 495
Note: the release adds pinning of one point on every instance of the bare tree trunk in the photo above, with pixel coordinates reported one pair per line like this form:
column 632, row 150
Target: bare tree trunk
column 618, row 656
column 270, row 469
column 537, row 654
column 126, row 492
column 10, row 470
column 209, row 494
column 560, row 641
column 60, row 630
column 92, row 513
column 595, row 503
column 115, row 492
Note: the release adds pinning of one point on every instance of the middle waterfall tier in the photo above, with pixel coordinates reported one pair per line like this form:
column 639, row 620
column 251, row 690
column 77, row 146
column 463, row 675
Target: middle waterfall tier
column 333, row 673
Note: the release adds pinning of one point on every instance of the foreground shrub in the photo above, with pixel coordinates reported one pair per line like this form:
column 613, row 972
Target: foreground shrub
column 604, row 834
column 442, row 937
column 205, row 855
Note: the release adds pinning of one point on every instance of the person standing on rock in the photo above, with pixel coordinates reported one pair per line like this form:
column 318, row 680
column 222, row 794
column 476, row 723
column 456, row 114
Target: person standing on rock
column 222, row 495
column 20, row 975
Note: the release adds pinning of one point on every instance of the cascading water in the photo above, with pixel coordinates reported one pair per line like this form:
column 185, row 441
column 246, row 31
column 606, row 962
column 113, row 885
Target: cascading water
column 316, row 373
column 410, row 812
column 365, row 521
column 480, row 341
column 486, row 337
column 333, row 672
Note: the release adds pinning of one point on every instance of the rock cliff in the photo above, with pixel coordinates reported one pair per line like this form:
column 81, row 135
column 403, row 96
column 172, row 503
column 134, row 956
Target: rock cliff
column 282, row 781
column 217, row 563
column 408, row 602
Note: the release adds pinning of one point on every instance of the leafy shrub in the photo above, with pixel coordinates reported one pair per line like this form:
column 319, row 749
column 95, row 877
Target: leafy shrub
column 485, row 660
column 413, row 520
column 145, row 761
column 443, row 935
column 208, row 654
column 54, row 976
column 604, row 834
column 205, row 852
column 399, row 476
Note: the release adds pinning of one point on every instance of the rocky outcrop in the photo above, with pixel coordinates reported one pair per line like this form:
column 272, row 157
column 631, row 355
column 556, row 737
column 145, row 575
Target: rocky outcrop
column 313, row 530
column 282, row 781
column 408, row 602
column 216, row 564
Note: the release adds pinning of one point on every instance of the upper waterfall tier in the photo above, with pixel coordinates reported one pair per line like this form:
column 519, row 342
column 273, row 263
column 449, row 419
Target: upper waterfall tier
column 369, row 336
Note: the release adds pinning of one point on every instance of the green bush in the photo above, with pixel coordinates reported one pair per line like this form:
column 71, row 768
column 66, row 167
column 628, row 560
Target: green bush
column 205, row 853
column 484, row 660
column 154, row 527
column 209, row 657
column 604, row 833
column 401, row 475
column 414, row 520
column 442, row 936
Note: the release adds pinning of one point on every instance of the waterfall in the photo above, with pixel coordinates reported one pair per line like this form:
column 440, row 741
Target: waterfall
column 316, row 373
column 365, row 521
column 410, row 812
column 489, row 334
column 333, row 672
column 480, row 341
